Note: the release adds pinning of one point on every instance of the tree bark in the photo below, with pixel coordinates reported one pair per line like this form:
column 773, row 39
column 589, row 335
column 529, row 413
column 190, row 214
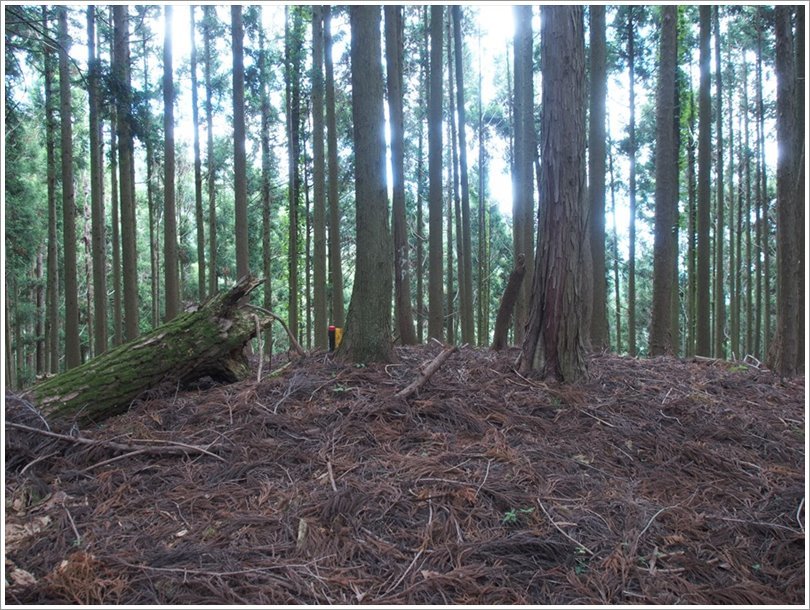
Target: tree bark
column 719, row 280
column 703, row 334
column 666, row 188
column 599, row 334
column 631, row 265
column 467, row 318
column 72, row 347
column 335, row 268
column 96, row 192
column 368, row 324
column 318, row 183
column 213, row 282
column 507, row 306
column 402, row 277
column 198, row 204
column 239, row 155
column 121, row 71
column 435, row 305
column 554, row 345
column 208, row 341
column 522, row 177
column 172, row 277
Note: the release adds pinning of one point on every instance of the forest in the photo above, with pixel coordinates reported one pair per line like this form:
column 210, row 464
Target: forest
column 529, row 224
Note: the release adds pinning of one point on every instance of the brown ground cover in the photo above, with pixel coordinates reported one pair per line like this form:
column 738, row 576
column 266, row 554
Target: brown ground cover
column 657, row 481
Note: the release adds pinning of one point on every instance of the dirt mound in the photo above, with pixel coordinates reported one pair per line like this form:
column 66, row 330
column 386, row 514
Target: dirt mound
column 658, row 481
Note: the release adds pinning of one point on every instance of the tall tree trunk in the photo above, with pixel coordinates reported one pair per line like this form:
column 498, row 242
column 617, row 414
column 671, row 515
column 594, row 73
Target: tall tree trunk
column 86, row 349
column 452, row 192
column 213, row 282
column 522, row 177
column 368, row 325
column 402, row 278
column 762, row 214
column 420, row 178
column 265, row 188
column 596, row 150
column 483, row 237
column 467, row 318
column 615, row 248
column 335, row 267
column 293, row 53
column 691, row 253
column 800, row 157
column 666, row 187
column 96, row 192
column 555, row 338
column 435, row 305
column 169, row 214
column 719, row 281
column 631, row 265
column 318, row 184
column 39, row 315
column 239, row 157
column 786, row 342
column 703, row 345
column 733, row 288
column 198, row 204
column 73, row 356
column 126, row 166
column 52, row 322
column 154, row 212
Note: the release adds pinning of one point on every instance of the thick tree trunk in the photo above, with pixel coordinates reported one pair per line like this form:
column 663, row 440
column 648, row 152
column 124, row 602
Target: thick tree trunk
column 208, row 341
column 435, row 254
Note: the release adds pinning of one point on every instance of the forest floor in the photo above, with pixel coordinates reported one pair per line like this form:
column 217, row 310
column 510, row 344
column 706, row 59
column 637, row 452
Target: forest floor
column 658, row 481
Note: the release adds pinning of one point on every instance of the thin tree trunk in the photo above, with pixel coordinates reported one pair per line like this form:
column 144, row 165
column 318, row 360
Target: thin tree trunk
column 293, row 53
column 239, row 155
column 703, row 322
column 198, row 204
column 435, row 305
column 169, row 213
column 86, row 349
column 52, row 322
column 73, row 356
column 483, row 237
column 335, row 268
column 39, row 314
column 402, row 279
column 522, row 176
column 599, row 335
column 420, row 177
column 801, row 159
column 733, row 288
column 467, row 319
column 615, row 248
column 719, row 281
column 154, row 212
column 208, row 17
column 96, row 192
column 452, row 194
column 126, row 166
column 266, row 229
column 631, row 265
column 691, row 252
column 761, row 207
column 318, row 184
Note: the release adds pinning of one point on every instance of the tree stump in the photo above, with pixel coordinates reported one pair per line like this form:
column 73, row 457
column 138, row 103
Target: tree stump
column 208, row 341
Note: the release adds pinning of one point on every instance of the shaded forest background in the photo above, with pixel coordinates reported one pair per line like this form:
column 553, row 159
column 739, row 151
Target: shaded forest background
column 116, row 220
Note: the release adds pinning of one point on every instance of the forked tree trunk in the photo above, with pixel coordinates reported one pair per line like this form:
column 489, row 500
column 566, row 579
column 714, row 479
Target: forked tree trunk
column 208, row 341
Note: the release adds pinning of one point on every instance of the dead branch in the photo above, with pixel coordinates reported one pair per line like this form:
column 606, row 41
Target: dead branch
column 168, row 447
column 427, row 372
column 293, row 341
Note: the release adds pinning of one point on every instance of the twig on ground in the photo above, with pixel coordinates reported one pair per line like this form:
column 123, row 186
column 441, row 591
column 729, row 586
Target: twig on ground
column 559, row 529
column 293, row 341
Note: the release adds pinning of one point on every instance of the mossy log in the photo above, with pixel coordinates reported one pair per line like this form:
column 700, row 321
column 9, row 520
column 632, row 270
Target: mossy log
column 208, row 341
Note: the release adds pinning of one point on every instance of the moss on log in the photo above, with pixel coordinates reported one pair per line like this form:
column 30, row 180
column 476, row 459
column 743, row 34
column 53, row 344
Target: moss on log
column 208, row 341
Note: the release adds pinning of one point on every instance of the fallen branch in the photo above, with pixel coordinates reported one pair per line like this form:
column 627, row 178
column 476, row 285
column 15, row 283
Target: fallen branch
column 293, row 341
column 427, row 372
column 168, row 447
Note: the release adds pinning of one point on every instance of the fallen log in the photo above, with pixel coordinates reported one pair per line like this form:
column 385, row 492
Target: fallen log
column 205, row 342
